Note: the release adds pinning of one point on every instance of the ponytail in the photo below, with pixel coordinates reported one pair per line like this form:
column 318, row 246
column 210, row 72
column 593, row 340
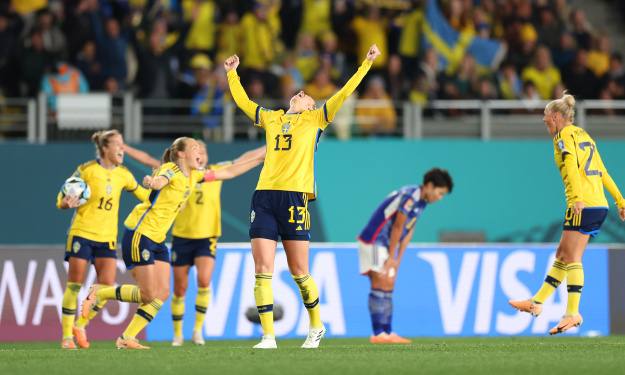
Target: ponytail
column 101, row 140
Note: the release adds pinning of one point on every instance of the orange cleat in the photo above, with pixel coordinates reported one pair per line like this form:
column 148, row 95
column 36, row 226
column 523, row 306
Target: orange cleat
column 90, row 301
column 81, row 337
column 68, row 343
column 396, row 339
column 381, row 338
column 129, row 343
column 568, row 322
column 528, row 306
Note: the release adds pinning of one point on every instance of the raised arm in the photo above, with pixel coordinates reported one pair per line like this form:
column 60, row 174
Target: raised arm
column 233, row 170
column 142, row 157
column 252, row 154
column 334, row 103
column 238, row 93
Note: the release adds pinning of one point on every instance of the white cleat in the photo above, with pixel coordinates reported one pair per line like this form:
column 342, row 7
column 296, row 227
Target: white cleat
column 178, row 341
column 197, row 338
column 267, row 342
column 314, row 336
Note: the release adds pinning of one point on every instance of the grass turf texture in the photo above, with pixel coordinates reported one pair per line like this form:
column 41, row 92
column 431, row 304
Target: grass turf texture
column 516, row 355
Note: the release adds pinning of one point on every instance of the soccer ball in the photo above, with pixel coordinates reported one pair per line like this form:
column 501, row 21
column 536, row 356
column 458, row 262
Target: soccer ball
column 76, row 186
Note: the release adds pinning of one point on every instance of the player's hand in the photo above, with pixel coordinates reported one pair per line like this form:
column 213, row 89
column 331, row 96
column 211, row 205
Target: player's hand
column 621, row 213
column 373, row 53
column 578, row 207
column 69, row 201
column 148, row 182
column 389, row 269
column 231, row 63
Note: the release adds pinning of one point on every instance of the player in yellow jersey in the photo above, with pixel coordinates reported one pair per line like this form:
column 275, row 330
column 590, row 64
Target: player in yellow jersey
column 584, row 176
column 286, row 184
column 194, row 240
column 92, row 235
column 143, row 244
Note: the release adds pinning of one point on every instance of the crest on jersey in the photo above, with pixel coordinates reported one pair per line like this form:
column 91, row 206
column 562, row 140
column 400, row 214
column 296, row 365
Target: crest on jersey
column 252, row 216
column 186, row 194
column 561, row 145
column 145, row 254
column 170, row 174
column 286, row 128
column 76, row 246
column 174, row 256
column 109, row 189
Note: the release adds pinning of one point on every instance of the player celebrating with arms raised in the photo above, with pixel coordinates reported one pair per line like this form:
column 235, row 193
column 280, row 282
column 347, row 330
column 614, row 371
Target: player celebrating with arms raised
column 393, row 224
column 584, row 177
column 286, row 184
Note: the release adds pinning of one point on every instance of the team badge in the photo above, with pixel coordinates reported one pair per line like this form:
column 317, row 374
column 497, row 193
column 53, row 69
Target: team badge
column 170, row 174
column 408, row 205
column 186, row 194
column 252, row 216
column 109, row 189
column 561, row 145
column 76, row 247
column 145, row 254
column 286, row 128
column 174, row 256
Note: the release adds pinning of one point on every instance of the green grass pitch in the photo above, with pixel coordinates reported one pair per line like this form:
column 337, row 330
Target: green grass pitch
column 516, row 355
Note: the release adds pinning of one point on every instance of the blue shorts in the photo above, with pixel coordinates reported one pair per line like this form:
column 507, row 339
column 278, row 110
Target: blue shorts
column 589, row 221
column 83, row 248
column 139, row 250
column 185, row 250
column 277, row 212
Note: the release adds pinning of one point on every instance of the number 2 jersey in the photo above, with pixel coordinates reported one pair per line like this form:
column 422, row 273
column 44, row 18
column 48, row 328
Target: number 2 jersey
column 292, row 138
column 582, row 169
column 96, row 220
column 154, row 216
column 201, row 216
column 406, row 200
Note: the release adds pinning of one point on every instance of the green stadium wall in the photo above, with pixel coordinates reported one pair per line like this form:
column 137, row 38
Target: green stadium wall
column 507, row 191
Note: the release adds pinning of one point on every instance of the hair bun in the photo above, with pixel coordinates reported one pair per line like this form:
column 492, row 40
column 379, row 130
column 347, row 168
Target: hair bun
column 568, row 99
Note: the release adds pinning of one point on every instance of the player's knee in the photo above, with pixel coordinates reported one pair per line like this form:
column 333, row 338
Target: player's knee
column 180, row 290
column 263, row 268
column 164, row 293
column 203, row 282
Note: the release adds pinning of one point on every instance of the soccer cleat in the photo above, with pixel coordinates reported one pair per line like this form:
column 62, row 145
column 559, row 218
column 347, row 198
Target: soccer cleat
column 178, row 341
column 381, row 338
column 267, row 342
column 81, row 337
column 129, row 343
column 91, row 301
column 314, row 336
column 528, row 306
column 568, row 322
column 396, row 339
column 68, row 343
column 197, row 338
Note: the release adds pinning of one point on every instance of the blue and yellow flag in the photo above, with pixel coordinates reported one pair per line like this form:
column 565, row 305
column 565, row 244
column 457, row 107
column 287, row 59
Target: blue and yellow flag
column 452, row 45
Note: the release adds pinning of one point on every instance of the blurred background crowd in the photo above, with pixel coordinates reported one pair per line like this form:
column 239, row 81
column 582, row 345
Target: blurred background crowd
column 164, row 49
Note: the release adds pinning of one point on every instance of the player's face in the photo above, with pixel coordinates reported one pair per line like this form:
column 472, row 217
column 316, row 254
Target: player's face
column 193, row 155
column 550, row 121
column 434, row 193
column 203, row 156
column 115, row 150
column 302, row 102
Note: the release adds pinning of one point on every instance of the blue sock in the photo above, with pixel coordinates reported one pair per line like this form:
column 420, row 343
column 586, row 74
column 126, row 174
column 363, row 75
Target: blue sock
column 388, row 311
column 377, row 310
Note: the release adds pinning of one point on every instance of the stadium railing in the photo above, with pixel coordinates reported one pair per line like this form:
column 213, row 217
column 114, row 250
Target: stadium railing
column 18, row 118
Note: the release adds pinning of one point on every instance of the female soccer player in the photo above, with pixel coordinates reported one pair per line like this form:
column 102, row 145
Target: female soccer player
column 92, row 235
column 287, row 181
column 584, row 176
column 391, row 225
column 143, row 244
column 194, row 239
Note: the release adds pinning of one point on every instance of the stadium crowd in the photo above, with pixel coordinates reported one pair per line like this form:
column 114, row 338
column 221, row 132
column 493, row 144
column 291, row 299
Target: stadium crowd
column 176, row 48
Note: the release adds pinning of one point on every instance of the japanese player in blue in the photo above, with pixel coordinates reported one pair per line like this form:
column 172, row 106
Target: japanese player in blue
column 287, row 182
column 391, row 226
column 584, row 176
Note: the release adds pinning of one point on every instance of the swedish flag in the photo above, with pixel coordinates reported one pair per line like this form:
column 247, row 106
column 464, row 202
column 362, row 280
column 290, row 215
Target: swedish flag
column 452, row 45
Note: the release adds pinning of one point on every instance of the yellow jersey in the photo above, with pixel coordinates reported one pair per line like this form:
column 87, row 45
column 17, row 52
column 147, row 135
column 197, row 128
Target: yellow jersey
column 292, row 138
column 582, row 169
column 201, row 217
column 96, row 220
column 154, row 216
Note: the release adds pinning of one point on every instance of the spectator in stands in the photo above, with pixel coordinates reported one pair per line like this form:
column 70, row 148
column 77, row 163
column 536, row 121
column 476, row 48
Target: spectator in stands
column 306, row 59
column 397, row 84
column 111, row 86
column 54, row 40
column 430, row 70
column 89, row 66
column 564, row 53
column 229, row 34
column 509, row 83
column 579, row 80
column 378, row 117
column 321, row 87
column 486, row 90
column 542, row 72
column 548, row 29
column 459, row 16
column 372, row 29
column 581, row 29
column 77, row 25
column 599, row 57
column 33, row 61
column 10, row 28
column 259, row 39
column 522, row 56
column 617, row 71
column 531, row 99
column 209, row 99
column 63, row 79
column 410, row 39
column 203, row 31
column 111, row 44
column 332, row 58
column 316, row 17
column 463, row 84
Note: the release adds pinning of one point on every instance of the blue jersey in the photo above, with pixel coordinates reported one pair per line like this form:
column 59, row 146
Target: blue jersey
column 406, row 200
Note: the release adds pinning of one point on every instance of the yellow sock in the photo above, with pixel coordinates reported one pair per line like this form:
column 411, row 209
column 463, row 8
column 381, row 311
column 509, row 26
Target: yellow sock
column 82, row 322
column 69, row 308
column 177, row 311
column 310, row 295
column 264, row 301
column 575, row 282
column 124, row 293
column 201, row 304
column 556, row 275
column 144, row 315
